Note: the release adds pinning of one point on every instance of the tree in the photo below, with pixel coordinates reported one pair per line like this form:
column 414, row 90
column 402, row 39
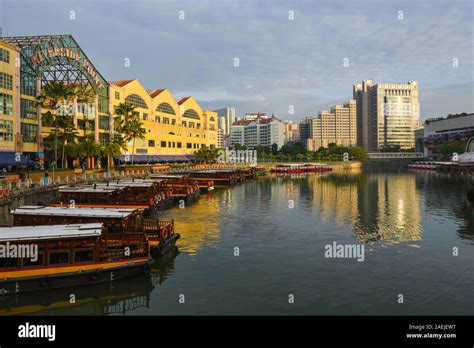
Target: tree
column 109, row 150
column 67, row 134
column 52, row 94
column 300, row 157
column 238, row 146
column 88, row 148
column 445, row 150
column 358, row 153
column 274, row 148
column 128, row 124
column 207, row 154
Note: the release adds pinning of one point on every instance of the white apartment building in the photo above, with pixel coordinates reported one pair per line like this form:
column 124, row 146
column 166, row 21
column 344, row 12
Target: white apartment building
column 261, row 131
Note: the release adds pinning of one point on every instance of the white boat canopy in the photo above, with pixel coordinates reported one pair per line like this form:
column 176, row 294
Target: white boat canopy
column 8, row 234
column 117, row 213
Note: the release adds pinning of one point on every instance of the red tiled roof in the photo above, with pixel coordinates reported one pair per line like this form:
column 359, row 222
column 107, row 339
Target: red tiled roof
column 154, row 92
column 120, row 83
column 242, row 122
column 259, row 120
column 267, row 120
column 182, row 100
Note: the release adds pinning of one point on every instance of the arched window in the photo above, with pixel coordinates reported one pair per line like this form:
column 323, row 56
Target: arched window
column 166, row 108
column 190, row 113
column 212, row 119
column 136, row 101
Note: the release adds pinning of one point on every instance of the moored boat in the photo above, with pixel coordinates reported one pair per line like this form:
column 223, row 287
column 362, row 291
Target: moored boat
column 424, row 165
column 182, row 186
column 220, row 177
column 59, row 256
column 288, row 169
column 316, row 168
column 296, row 168
column 116, row 222
column 120, row 194
column 260, row 171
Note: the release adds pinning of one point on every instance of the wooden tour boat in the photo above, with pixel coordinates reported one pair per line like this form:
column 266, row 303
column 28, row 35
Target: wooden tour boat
column 117, row 222
column 294, row 168
column 223, row 176
column 182, row 186
column 120, row 194
column 424, row 165
column 68, row 255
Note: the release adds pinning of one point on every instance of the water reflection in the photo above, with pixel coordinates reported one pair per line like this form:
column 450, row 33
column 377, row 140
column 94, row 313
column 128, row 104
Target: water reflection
column 197, row 223
column 389, row 206
column 120, row 297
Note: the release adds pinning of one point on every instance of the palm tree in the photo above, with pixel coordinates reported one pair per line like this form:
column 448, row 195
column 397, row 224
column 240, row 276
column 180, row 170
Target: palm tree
column 67, row 135
column 109, row 150
column 88, row 148
column 52, row 94
column 128, row 123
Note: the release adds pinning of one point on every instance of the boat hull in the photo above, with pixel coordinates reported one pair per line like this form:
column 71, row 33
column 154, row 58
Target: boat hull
column 102, row 273
column 163, row 247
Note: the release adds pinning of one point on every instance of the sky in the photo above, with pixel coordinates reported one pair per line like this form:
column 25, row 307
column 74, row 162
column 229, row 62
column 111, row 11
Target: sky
column 290, row 54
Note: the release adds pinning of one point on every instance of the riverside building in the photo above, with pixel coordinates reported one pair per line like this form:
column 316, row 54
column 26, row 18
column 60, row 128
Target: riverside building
column 387, row 114
column 446, row 130
column 173, row 128
column 27, row 63
column 337, row 126
column 258, row 131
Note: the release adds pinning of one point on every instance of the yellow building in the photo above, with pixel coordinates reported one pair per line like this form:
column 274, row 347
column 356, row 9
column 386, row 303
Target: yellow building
column 27, row 63
column 172, row 127
column 18, row 113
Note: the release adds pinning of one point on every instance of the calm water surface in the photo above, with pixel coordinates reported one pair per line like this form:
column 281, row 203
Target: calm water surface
column 408, row 222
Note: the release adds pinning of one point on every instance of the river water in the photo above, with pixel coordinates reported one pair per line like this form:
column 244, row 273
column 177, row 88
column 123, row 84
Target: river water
column 260, row 248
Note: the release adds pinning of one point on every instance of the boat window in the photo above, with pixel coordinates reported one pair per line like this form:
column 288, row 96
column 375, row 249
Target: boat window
column 83, row 256
column 8, row 262
column 59, row 257
column 470, row 147
column 30, row 263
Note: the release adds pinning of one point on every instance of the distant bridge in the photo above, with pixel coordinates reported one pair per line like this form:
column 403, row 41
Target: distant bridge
column 394, row 155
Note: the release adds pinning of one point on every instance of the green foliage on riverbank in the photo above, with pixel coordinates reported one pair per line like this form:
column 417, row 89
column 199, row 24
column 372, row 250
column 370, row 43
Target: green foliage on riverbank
column 297, row 152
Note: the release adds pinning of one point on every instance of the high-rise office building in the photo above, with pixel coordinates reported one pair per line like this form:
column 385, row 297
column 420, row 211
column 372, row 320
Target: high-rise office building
column 226, row 118
column 387, row 114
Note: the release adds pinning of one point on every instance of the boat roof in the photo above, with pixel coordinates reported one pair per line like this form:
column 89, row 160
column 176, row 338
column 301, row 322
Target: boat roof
column 91, row 189
column 166, row 176
column 116, row 213
column 50, row 232
column 121, row 184
column 225, row 170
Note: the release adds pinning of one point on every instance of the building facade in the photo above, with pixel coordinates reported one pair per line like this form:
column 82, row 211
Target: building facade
column 172, row 127
column 10, row 100
column 387, row 114
column 447, row 129
column 261, row 131
column 337, row 126
column 28, row 63
column 226, row 118
column 291, row 131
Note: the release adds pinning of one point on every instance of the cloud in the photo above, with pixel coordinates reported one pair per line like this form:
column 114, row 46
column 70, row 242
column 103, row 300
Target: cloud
column 282, row 62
